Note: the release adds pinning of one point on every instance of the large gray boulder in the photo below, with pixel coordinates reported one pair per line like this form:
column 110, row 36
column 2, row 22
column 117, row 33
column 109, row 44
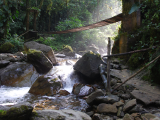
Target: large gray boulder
column 45, row 86
column 21, row 111
column 44, row 48
column 39, row 61
column 88, row 65
column 145, row 97
column 18, row 74
column 60, row 115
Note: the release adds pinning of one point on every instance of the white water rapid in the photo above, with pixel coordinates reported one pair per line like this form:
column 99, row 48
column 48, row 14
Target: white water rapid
column 14, row 95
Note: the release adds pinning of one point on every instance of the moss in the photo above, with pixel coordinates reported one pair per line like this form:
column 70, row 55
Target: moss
column 34, row 113
column 32, row 51
column 3, row 113
column 6, row 47
column 55, row 79
column 68, row 47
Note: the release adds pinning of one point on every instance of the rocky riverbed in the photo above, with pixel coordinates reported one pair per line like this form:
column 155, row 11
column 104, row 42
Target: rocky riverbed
column 64, row 93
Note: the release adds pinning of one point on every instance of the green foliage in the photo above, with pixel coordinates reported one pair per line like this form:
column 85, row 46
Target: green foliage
column 148, row 35
column 15, row 41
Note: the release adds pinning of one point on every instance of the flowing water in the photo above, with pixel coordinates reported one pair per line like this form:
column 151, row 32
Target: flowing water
column 14, row 95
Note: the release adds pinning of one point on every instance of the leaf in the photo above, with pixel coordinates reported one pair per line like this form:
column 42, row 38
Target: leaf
column 134, row 8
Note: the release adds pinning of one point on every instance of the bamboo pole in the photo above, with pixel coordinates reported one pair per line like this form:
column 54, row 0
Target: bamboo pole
column 136, row 73
column 108, row 66
column 136, row 51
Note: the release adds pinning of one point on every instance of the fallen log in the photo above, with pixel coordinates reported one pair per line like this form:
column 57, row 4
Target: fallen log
column 136, row 73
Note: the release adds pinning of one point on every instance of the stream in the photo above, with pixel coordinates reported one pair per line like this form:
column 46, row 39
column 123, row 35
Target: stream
column 14, row 95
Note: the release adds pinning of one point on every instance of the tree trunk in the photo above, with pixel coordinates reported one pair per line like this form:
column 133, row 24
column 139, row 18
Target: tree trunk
column 35, row 20
column 27, row 15
column 49, row 24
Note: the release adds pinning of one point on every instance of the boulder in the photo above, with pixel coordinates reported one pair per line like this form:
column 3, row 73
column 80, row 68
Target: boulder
column 44, row 48
column 39, row 61
column 60, row 115
column 76, row 88
column 88, row 65
column 21, row 111
column 18, row 74
column 93, row 95
column 45, row 86
column 82, row 90
column 145, row 97
column 106, row 99
column 68, row 51
column 129, row 105
column 106, row 108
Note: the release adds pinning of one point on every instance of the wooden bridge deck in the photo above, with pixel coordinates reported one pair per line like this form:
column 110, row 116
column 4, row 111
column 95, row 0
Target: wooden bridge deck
column 114, row 19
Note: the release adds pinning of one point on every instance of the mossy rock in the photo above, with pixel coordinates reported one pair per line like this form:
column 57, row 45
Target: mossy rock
column 68, row 48
column 39, row 61
column 6, row 47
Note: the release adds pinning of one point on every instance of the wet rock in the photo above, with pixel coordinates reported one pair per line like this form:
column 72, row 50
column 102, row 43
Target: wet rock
column 60, row 115
column 106, row 108
column 93, row 95
column 97, row 116
column 85, row 90
column 44, row 86
column 77, row 88
column 118, row 104
column 128, row 117
column 4, row 63
column 18, row 74
column 39, row 61
column 145, row 97
column 125, row 96
column 64, row 92
column 20, row 111
column 129, row 105
column 60, row 55
column 106, row 99
column 41, row 47
column 88, row 65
